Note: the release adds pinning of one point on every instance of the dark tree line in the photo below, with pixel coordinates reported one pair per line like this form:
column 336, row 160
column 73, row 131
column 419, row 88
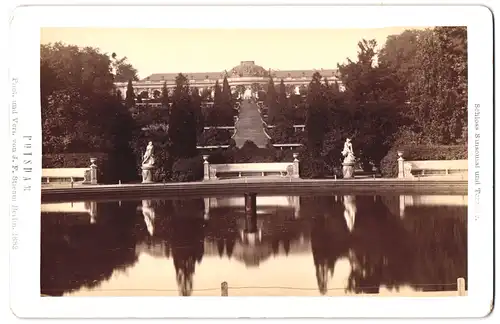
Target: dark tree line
column 222, row 113
column 412, row 91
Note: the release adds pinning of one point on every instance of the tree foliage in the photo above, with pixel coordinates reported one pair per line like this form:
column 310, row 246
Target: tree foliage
column 164, row 96
column 123, row 70
column 272, row 102
column 130, row 95
column 317, row 115
column 437, row 93
column 183, row 120
column 222, row 112
column 81, row 111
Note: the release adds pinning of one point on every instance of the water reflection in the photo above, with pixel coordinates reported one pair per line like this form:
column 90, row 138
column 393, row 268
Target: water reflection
column 327, row 244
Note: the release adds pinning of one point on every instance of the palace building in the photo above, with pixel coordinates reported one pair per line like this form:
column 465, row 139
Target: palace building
column 247, row 74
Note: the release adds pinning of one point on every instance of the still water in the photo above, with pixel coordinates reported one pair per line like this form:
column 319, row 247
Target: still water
column 292, row 246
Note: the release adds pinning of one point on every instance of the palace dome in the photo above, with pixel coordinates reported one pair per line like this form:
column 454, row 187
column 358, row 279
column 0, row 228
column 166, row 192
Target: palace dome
column 247, row 69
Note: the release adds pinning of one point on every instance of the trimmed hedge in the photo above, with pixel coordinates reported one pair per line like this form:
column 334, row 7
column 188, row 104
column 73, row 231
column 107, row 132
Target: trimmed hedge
column 110, row 168
column 214, row 137
column 186, row 170
column 251, row 153
column 389, row 164
column 82, row 160
column 71, row 160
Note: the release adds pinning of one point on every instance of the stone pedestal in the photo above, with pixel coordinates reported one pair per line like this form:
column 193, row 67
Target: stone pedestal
column 348, row 170
column 296, row 171
column 90, row 175
column 147, row 173
column 401, row 162
column 206, row 168
column 93, row 171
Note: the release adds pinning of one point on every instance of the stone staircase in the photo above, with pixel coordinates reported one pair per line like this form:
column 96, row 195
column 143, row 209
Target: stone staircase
column 249, row 126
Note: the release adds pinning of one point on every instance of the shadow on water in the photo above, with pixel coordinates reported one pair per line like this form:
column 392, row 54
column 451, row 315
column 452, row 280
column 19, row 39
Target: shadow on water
column 424, row 248
column 76, row 253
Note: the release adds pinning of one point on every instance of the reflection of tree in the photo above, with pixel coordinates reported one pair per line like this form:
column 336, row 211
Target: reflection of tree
column 428, row 246
column 381, row 249
column 76, row 254
column 222, row 228
column 329, row 236
column 439, row 236
column 426, row 250
column 187, row 241
column 281, row 228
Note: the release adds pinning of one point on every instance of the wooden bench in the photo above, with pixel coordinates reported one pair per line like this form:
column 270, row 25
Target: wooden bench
column 66, row 175
column 435, row 167
column 280, row 168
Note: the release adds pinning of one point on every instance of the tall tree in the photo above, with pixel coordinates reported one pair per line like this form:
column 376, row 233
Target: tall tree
column 216, row 113
column 226, row 90
column 123, row 70
column 75, row 83
column 196, row 104
column 398, row 55
column 272, row 101
column 130, row 95
column 182, row 128
column 438, row 89
column 372, row 103
column 283, row 99
column 81, row 111
column 317, row 115
column 164, row 96
column 227, row 103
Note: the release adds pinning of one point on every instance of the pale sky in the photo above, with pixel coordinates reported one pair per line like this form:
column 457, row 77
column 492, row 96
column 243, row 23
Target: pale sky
column 213, row 50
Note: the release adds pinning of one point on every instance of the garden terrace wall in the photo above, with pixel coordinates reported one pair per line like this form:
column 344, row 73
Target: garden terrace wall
column 389, row 164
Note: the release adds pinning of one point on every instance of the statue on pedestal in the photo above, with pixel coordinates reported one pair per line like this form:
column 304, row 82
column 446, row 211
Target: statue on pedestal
column 349, row 160
column 148, row 161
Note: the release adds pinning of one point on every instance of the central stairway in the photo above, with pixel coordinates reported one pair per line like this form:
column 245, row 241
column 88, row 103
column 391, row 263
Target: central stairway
column 249, row 126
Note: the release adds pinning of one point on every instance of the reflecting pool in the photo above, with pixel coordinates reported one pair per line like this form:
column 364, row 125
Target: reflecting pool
column 265, row 245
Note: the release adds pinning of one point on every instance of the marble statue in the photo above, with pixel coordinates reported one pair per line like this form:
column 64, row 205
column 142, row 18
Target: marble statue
column 148, row 162
column 148, row 158
column 348, row 152
column 349, row 160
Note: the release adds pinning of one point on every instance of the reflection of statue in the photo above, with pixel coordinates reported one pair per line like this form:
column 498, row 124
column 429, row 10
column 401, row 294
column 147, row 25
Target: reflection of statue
column 149, row 215
column 350, row 211
column 148, row 161
column 148, row 158
column 347, row 152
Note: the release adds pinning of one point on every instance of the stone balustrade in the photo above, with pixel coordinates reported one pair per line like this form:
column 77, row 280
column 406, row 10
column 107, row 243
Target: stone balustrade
column 432, row 168
column 213, row 171
column 86, row 175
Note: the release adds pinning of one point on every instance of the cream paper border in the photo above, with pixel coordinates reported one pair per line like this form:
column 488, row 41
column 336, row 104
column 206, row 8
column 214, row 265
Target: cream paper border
column 24, row 48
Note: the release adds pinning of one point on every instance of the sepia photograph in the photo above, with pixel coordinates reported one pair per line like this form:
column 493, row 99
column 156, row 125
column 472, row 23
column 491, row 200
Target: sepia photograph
column 265, row 161
column 254, row 162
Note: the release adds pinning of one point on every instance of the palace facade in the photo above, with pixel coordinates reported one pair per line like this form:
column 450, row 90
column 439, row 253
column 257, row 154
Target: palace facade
column 247, row 74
